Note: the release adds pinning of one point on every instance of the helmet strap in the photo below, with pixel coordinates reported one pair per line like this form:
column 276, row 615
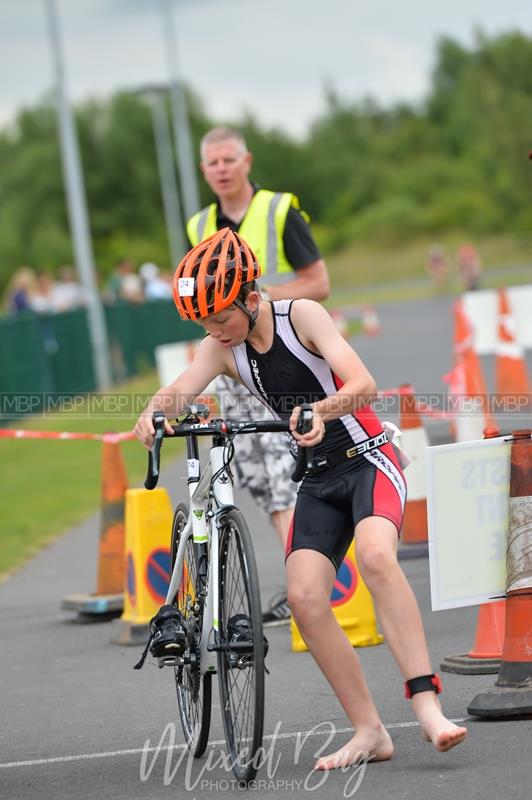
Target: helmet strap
column 251, row 315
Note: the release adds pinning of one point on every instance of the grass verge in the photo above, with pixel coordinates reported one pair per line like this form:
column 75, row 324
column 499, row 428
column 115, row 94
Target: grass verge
column 381, row 272
column 51, row 485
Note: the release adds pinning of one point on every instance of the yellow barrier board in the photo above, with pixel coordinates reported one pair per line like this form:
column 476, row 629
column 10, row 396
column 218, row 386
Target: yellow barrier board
column 148, row 531
column 352, row 606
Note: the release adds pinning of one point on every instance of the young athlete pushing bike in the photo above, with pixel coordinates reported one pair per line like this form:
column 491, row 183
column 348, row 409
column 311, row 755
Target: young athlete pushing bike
column 288, row 353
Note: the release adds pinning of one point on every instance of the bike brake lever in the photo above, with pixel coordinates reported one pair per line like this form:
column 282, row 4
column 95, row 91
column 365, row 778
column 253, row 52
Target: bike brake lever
column 305, row 455
column 154, row 455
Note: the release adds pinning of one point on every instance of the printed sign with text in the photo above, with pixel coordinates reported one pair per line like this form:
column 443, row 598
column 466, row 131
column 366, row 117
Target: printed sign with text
column 467, row 502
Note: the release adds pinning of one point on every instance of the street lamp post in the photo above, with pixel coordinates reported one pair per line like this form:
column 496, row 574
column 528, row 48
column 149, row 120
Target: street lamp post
column 77, row 210
column 167, row 177
column 182, row 137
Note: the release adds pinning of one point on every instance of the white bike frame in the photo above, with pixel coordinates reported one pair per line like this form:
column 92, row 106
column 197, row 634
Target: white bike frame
column 208, row 500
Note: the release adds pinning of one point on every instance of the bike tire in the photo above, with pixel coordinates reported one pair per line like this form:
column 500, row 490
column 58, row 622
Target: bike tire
column 194, row 690
column 241, row 687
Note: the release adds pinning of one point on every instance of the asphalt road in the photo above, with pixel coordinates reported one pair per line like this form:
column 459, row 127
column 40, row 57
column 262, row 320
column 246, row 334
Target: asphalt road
column 75, row 717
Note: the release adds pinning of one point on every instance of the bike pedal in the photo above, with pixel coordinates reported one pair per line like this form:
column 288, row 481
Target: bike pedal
column 170, row 661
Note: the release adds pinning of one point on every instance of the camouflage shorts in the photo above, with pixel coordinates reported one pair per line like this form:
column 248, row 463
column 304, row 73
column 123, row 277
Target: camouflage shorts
column 263, row 463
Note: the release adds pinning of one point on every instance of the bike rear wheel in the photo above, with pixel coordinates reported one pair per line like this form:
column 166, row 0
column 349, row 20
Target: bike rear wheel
column 194, row 690
column 241, row 654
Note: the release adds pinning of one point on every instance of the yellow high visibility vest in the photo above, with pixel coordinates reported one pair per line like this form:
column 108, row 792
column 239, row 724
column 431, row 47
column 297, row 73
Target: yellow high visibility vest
column 262, row 228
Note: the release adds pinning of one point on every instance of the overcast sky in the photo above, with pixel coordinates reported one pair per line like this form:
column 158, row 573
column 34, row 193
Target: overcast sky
column 272, row 57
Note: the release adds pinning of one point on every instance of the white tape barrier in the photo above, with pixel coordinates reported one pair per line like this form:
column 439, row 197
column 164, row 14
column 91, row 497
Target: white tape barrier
column 414, row 442
column 482, row 310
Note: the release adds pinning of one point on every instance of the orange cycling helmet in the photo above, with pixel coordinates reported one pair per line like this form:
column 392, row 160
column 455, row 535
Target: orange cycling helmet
column 210, row 276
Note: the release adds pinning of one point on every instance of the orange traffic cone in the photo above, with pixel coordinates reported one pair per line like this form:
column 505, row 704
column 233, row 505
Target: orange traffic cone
column 414, row 441
column 338, row 317
column 108, row 598
column 485, row 656
column 513, row 693
column 467, row 382
column 510, row 367
column 489, row 637
column 111, row 548
column 370, row 321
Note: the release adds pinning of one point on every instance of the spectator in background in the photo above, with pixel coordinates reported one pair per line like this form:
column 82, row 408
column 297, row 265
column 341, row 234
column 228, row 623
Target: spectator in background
column 469, row 267
column 155, row 286
column 66, row 292
column 437, row 267
column 21, row 290
column 43, row 305
column 43, row 299
column 125, row 284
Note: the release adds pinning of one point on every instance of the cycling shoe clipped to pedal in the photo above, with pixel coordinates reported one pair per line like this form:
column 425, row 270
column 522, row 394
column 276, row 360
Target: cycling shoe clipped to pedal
column 167, row 636
column 239, row 633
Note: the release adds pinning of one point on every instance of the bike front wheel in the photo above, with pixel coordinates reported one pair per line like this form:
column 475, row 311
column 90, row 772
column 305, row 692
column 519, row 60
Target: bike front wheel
column 241, row 647
column 194, row 690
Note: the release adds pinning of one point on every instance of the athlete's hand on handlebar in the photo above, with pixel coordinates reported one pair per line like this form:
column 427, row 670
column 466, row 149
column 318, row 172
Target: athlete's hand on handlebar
column 144, row 429
column 313, row 436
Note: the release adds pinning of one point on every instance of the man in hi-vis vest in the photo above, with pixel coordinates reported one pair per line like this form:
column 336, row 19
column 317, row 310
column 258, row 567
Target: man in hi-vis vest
column 277, row 231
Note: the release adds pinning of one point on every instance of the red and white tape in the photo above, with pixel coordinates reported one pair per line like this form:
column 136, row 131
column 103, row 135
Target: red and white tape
column 8, row 433
column 113, row 438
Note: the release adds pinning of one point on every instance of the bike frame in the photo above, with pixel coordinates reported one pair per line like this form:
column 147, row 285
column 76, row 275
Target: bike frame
column 208, row 501
column 211, row 496
column 211, row 503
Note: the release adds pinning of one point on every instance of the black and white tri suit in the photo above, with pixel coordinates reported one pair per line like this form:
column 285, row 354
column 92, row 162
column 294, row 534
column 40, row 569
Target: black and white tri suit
column 331, row 503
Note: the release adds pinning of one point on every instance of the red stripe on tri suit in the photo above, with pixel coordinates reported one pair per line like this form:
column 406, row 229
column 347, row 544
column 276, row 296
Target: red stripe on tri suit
column 389, row 451
column 288, row 549
column 386, row 499
column 338, row 382
column 365, row 416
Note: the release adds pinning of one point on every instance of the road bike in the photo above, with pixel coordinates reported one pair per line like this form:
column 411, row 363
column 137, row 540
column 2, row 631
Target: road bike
column 215, row 587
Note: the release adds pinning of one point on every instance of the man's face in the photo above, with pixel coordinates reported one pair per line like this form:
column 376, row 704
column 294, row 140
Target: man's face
column 226, row 168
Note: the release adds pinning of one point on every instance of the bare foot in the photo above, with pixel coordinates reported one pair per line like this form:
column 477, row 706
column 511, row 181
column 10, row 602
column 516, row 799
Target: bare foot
column 367, row 744
column 436, row 728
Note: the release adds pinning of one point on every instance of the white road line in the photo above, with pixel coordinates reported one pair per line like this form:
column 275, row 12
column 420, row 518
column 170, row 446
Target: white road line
column 38, row 762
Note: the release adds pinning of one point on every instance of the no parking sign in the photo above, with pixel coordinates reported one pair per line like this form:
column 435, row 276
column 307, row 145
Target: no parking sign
column 158, row 573
column 352, row 606
column 345, row 584
column 148, row 530
column 131, row 582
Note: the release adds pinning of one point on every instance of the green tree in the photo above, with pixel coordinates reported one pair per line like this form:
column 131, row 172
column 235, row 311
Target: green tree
column 457, row 161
